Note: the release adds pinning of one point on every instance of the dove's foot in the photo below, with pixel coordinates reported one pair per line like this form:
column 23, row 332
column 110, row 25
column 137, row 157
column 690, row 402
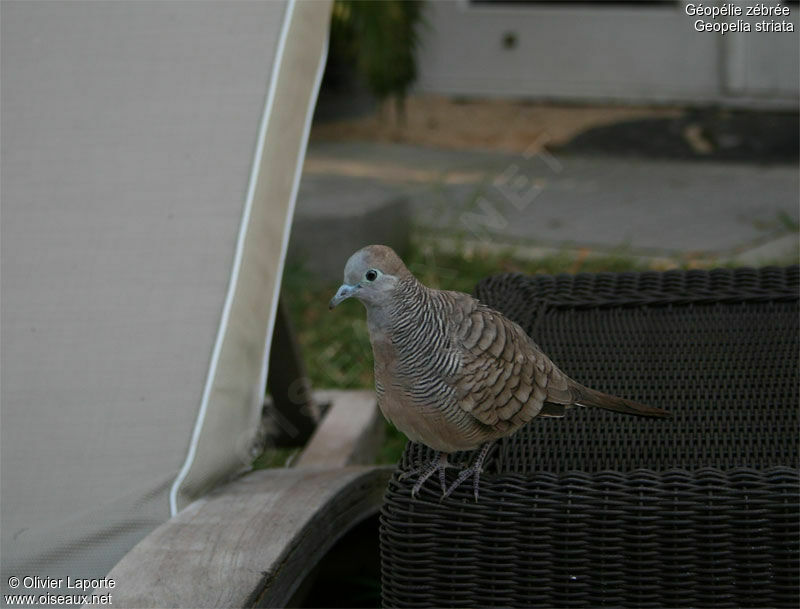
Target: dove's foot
column 439, row 463
column 473, row 470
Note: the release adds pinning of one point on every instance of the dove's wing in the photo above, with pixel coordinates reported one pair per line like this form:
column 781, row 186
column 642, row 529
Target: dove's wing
column 504, row 379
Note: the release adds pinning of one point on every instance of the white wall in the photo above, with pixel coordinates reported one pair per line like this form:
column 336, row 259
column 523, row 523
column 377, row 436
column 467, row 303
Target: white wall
column 629, row 53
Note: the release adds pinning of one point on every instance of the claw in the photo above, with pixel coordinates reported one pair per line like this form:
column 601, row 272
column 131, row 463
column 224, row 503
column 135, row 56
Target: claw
column 439, row 463
column 474, row 470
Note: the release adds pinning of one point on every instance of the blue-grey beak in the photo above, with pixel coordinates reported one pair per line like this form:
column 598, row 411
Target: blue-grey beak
column 343, row 293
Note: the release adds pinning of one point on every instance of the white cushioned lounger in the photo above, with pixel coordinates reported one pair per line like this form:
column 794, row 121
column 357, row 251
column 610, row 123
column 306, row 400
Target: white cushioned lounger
column 151, row 154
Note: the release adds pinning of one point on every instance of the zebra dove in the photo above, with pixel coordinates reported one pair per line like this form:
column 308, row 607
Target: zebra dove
column 452, row 373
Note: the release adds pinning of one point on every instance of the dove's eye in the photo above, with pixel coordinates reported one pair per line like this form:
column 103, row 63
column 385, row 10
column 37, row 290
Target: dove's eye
column 371, row 275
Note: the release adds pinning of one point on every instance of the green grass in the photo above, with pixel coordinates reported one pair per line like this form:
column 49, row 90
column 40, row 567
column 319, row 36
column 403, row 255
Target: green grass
column 336, row 345
column 275, row 457
column 788, row 223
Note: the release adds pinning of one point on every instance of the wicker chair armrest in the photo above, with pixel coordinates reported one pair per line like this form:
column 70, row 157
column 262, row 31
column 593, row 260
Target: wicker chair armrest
column 583, row 539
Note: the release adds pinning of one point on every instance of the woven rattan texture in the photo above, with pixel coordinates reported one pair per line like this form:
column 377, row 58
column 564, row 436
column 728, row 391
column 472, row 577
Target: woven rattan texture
column 598, row 509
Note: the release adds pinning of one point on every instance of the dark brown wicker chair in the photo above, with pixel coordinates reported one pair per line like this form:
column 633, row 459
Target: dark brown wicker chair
column 598, row 509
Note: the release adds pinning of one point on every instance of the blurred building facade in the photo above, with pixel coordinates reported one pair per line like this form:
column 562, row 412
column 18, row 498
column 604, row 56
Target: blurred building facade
column 631, row 52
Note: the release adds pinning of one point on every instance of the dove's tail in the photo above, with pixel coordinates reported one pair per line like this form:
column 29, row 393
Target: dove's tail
column 598, row 399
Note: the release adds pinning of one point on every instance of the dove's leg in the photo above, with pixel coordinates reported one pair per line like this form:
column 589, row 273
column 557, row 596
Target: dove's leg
column 474, row 470
column 439, row 463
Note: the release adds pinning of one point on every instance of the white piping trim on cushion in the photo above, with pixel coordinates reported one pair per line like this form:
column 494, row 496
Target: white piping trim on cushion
column 287, row 227
column 237, row 261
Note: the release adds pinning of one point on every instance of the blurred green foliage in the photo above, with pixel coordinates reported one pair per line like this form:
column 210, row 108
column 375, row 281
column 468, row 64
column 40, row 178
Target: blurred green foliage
column 275, row 457
column 380, row 39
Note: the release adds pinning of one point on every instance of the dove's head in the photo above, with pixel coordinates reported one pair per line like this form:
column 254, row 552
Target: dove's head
column 371, row 275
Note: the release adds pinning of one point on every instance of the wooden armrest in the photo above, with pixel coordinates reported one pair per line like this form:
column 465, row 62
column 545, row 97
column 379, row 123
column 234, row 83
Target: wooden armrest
column 251, row 542
column 350, row 433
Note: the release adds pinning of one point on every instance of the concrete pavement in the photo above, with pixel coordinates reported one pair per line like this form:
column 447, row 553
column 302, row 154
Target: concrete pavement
column 540, row 202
